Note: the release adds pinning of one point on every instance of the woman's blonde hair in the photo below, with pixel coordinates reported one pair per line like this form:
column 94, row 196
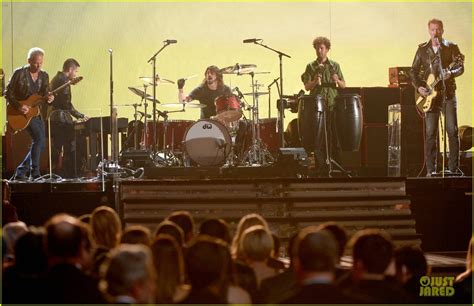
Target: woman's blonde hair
column 256, row 243
column 244, row 223
column 106, row 227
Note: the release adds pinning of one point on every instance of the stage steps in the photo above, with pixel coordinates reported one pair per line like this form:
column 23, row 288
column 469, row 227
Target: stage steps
column 288, row 205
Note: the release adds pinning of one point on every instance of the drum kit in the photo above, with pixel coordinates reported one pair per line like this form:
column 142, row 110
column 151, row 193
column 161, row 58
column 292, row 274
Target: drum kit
column 206, row 142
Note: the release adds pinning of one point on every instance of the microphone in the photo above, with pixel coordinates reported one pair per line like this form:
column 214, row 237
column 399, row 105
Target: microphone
column 170, row 41
column 110, row 51
column 251, row 40
column 240, row 94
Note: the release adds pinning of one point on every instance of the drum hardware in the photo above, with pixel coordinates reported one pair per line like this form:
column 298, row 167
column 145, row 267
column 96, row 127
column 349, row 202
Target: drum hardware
column 184, row 105
column 152, row 61
column 208, row 143
column 142, row 94
column 228, row 108
column 257, row 94
column 269, row 88
column 281, row 110
column 158, row 80
column 166, row 158
column 239, row 69
column 257, row 154
column 135, row 124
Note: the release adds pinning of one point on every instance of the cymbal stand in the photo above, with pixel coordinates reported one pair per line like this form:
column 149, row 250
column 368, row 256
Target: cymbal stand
column 145, row 121
column 166, row 157
column 152, row 60
column 257, row 154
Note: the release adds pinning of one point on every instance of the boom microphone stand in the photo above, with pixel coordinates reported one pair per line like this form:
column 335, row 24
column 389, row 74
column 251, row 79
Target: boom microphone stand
column 281, row 108
column 153, row 61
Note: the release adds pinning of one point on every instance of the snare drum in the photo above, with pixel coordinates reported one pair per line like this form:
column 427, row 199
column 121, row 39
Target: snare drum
column 207, row 142
column 228, row 108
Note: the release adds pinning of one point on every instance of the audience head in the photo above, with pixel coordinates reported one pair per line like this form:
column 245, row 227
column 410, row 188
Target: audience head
column 256, row 244
column 30, row 256
column 106, row 227
column 409, row 262
column 86, row 218
column 128, row 271
column 170, row 228
column 244, row 223
column 68, row 240
column 372, row 252
column 185, row 221
column 169, row 264
column 136, row 234
column 339, row 234
column 215, row 228
column 12, row 232
column 315, row 251
column 207, row 263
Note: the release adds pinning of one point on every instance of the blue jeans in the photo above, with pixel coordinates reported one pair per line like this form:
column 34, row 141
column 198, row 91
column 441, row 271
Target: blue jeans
column 432, row 123
column 31, row 163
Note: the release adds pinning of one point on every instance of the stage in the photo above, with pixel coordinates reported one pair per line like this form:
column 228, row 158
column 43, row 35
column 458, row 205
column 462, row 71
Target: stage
column 435, row 213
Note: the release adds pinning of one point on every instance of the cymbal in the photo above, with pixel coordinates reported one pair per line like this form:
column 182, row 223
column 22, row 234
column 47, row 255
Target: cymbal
column 239, row 69
column 159, row 80
column 141, row 94
column 261, row 93
column 185, row 104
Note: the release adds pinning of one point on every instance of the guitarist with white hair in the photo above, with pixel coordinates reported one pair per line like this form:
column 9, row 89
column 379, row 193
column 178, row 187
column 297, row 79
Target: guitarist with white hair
column 25, row 82
column 434, row 82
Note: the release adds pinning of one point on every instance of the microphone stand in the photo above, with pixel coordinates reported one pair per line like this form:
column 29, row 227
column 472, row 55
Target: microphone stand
column 153, row 61
column 269, row 96
column 281, row 108
column 443, row 104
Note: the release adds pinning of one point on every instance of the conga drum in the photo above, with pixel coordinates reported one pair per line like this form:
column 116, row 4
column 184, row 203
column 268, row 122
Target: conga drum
column 311, row 121
column 349, row 121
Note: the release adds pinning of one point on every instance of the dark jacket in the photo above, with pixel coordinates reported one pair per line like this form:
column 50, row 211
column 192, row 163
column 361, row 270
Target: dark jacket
column 63, row 110
column 19, row 87
column 426, row 62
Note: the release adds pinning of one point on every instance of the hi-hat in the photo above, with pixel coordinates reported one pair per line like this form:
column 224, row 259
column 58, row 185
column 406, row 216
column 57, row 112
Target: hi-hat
column 142, row 94
column 184, row 104
column 159, row 80
column 239, row 69
column 261, row 93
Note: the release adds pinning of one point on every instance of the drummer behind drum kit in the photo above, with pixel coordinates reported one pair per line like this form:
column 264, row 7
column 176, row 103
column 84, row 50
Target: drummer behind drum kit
column 206, row 142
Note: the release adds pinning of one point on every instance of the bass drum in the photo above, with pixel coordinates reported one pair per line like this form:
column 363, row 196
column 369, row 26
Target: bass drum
column 207, row 142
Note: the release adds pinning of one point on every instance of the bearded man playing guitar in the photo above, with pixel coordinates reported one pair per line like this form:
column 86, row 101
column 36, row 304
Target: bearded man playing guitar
column 25, row 82
column 441, row 93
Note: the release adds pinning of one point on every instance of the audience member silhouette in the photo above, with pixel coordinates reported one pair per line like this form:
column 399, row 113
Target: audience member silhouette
column 185, row 221
column 315, row 258
column 136, row 234
column 215, row 228
column 69, row 250
column 169, row 266
column 128, row 276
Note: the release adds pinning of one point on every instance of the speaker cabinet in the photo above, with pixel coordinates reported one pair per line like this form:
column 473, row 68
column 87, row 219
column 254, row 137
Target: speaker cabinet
column 372, row 157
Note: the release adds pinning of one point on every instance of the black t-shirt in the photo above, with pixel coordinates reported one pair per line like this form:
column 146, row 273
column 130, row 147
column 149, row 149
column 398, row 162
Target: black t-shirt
column 206, row 96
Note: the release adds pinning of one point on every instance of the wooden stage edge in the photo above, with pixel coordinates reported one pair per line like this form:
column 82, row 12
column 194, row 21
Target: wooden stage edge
column 435, row 213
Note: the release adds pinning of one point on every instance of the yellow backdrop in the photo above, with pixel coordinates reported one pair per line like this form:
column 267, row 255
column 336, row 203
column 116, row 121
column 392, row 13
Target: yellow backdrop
column 367, row 38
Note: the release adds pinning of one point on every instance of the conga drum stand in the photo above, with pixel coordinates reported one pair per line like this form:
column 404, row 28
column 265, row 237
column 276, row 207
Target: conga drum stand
column 330, row 162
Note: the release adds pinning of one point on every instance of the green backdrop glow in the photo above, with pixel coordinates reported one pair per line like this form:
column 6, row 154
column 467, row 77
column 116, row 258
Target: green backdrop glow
column 367, row 38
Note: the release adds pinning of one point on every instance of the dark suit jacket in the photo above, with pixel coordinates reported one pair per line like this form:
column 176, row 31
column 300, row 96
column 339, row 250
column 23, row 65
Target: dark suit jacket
column 66, row 284
column 275, row 289
column 320, row 294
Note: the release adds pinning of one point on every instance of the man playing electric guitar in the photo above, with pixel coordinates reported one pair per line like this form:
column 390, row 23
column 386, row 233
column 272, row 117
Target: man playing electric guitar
column 427, row 61
column 25, row 82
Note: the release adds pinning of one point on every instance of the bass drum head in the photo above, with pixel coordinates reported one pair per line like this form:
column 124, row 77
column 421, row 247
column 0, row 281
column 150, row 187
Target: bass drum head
column 207, row 142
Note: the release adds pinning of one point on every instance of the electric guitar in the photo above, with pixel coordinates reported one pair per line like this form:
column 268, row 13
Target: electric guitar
column 425, row 104
column 19, row 121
